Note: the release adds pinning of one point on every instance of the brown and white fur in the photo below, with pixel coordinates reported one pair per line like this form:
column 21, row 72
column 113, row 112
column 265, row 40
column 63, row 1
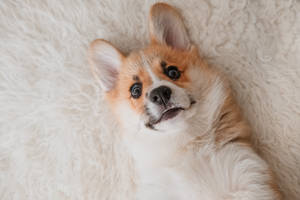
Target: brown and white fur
column 199, row 150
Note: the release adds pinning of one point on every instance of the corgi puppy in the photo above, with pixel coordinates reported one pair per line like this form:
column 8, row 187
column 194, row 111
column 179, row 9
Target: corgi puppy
column 179, row 118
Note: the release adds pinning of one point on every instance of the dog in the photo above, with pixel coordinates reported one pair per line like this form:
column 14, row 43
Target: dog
column 179, row 118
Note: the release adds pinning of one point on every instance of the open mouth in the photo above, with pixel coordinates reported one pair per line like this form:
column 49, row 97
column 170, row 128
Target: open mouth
column 168, row 114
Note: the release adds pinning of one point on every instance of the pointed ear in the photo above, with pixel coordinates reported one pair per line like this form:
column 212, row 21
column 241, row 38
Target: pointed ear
column 167, row 27
column 106, row 62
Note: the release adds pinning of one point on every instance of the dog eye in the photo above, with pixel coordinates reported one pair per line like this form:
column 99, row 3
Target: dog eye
column 172, row 72
column 136, row 90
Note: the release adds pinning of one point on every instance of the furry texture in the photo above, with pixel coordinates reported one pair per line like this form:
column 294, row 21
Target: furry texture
column 56, row 135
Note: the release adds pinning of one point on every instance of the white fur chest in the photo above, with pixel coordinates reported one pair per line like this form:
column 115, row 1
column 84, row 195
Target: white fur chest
column 235, row 172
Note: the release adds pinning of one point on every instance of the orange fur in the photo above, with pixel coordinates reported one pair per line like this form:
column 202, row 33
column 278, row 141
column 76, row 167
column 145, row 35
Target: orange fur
column 230, row 125
column 132, row 66
column 274, row 185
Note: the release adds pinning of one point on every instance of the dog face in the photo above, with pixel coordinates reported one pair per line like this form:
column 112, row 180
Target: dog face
column 157, row 88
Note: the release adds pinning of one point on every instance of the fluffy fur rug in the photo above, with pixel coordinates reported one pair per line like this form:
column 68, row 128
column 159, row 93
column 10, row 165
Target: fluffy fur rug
column 56, row 135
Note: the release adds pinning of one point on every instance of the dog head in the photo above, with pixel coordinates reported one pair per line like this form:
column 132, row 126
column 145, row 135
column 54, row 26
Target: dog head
column 158, row 88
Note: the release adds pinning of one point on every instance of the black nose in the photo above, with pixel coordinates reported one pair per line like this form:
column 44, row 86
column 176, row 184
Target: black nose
column 160, row 95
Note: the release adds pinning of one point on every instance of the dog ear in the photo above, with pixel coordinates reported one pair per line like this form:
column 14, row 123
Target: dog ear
column 166, row 27
column 106, row 61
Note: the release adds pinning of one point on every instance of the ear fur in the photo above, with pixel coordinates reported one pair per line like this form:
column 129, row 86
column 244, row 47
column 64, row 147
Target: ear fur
column 106, row 62
column 166, row 27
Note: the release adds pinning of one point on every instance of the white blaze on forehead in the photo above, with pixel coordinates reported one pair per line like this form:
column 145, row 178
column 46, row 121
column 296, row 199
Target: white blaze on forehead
column 145, row 63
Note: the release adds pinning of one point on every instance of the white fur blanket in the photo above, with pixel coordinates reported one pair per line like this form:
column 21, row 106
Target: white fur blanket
column 56, row 135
